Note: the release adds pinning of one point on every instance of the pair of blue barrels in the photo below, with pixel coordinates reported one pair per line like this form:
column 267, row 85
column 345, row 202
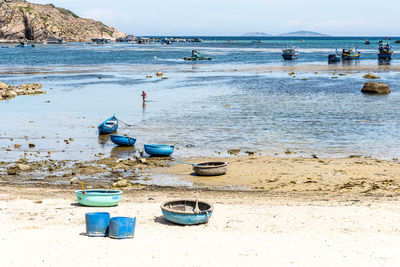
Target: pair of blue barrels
column 100, row 224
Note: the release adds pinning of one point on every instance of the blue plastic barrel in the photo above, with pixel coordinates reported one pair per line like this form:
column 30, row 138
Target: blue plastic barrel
column 122, row 227
column 97, row 223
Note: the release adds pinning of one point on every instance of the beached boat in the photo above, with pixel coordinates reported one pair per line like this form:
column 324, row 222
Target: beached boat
column 98, row 197
column 210, row 168
column 108, row 126
column 385, row 50
column 158, row 150
column 186, row 212
column 289, row 53
column 350, row 54
column 122, row 140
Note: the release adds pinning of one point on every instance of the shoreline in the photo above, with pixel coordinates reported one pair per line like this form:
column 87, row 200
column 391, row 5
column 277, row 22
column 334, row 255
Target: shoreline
column 353, row 176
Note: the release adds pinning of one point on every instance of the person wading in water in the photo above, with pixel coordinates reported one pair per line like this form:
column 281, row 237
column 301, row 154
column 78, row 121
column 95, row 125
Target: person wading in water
column 144, row 95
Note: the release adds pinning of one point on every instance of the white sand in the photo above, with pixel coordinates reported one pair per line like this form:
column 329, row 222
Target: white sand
column 242, row 232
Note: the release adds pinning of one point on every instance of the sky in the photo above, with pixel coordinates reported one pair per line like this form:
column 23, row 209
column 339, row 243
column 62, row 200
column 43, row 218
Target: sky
column 234, row 18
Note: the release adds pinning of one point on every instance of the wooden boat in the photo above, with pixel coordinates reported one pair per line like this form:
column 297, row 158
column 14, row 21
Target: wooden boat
column 397, row 41
column 350, row 54
column 98, row 197
column 122, row 140
column 108, row 126
column 366, row 41
column 289, row 54
column 158, row 150
column 184, row 212
column 210, row 168
column 385, row 50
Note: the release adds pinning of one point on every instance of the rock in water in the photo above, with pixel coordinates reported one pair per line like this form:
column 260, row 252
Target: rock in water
column 376, row 88
column 371, row 76
column 24, row 21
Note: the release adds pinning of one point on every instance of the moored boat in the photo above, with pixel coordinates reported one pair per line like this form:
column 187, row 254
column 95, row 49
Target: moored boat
column 108, row 126
column 122, row 140
column 385, row 50
column 334, row 57
column 289, row 53
column 158, row 150
column 196, row 56
column 366, row 41
column 350, row 54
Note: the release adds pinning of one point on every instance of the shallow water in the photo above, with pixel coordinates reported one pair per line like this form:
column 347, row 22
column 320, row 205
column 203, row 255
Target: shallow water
column 201, row 108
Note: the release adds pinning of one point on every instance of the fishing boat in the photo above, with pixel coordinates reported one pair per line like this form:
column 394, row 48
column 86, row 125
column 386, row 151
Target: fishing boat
column 122, row 140
column 385, row 50
column 158, row 150
column 350, row 54
column 366, row 41
column 334, row 57
column 196, row 56
column 397, row 41
column 289, row 53
column 187, row 212
column 108, row 126
column 98, row 197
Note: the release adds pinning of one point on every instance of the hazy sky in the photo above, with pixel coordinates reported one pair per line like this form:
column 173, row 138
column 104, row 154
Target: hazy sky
column 233, row 17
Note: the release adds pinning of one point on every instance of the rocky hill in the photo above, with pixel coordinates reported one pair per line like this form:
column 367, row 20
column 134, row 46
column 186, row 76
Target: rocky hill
column 24, row 21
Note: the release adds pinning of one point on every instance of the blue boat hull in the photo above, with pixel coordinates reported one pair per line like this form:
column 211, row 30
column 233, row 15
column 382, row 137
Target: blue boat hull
column 122, row 140
column 186, row 219
column 158, row 150
column 385, row 56
column 288, row 57
column 334, row 58
column 183, row 211
column 108, row 126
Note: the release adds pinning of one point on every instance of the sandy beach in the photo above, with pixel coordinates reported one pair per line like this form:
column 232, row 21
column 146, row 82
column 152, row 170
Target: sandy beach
column 45, row 227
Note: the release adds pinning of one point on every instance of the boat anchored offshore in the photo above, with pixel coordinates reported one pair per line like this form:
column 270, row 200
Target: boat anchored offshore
column 108, row 126
column 366, row 41
column 334, row 57
column 385, row 50
column 196, row 56
column 350, row 54
column 289, row 53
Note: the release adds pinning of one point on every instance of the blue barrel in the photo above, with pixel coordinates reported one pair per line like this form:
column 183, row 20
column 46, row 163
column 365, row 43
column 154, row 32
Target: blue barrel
column 97, row 223
column 122, row 227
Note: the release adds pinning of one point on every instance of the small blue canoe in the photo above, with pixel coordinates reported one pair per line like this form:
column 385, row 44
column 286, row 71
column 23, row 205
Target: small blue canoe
column 183, row 211
column 158, row 150
column 122, row 140
column 108, row 126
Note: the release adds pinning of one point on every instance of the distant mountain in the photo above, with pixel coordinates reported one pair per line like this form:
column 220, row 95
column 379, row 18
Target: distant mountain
column 303, row 34
column 256, row 34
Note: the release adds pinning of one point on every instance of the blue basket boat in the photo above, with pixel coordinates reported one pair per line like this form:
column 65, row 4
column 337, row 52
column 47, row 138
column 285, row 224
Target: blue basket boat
column 97, row 223
column 158, row 150
column 182, row 211
column 108, row 126
column 122, row 227
column 99, row 197
column 122, row 140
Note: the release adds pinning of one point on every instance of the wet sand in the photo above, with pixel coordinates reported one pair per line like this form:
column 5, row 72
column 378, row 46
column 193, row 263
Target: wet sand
column 45, row 227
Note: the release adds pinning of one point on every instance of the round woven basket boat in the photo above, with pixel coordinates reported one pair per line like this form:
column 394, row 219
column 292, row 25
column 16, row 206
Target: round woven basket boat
column 210, row 168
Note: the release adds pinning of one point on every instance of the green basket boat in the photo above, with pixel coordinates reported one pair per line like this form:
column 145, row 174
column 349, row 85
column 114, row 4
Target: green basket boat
column 99, row 197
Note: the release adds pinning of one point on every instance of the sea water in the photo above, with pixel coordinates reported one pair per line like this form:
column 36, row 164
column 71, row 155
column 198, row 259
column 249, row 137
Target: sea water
column 203, row 108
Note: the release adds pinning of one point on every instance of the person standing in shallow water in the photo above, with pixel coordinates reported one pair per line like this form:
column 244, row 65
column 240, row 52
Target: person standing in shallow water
column 144, row 96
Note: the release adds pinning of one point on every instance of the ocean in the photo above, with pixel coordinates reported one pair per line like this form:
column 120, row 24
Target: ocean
column 243, row 98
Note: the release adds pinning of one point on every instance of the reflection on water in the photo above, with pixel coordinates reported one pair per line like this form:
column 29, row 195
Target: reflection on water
column 123, row 152
column 384, row 61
